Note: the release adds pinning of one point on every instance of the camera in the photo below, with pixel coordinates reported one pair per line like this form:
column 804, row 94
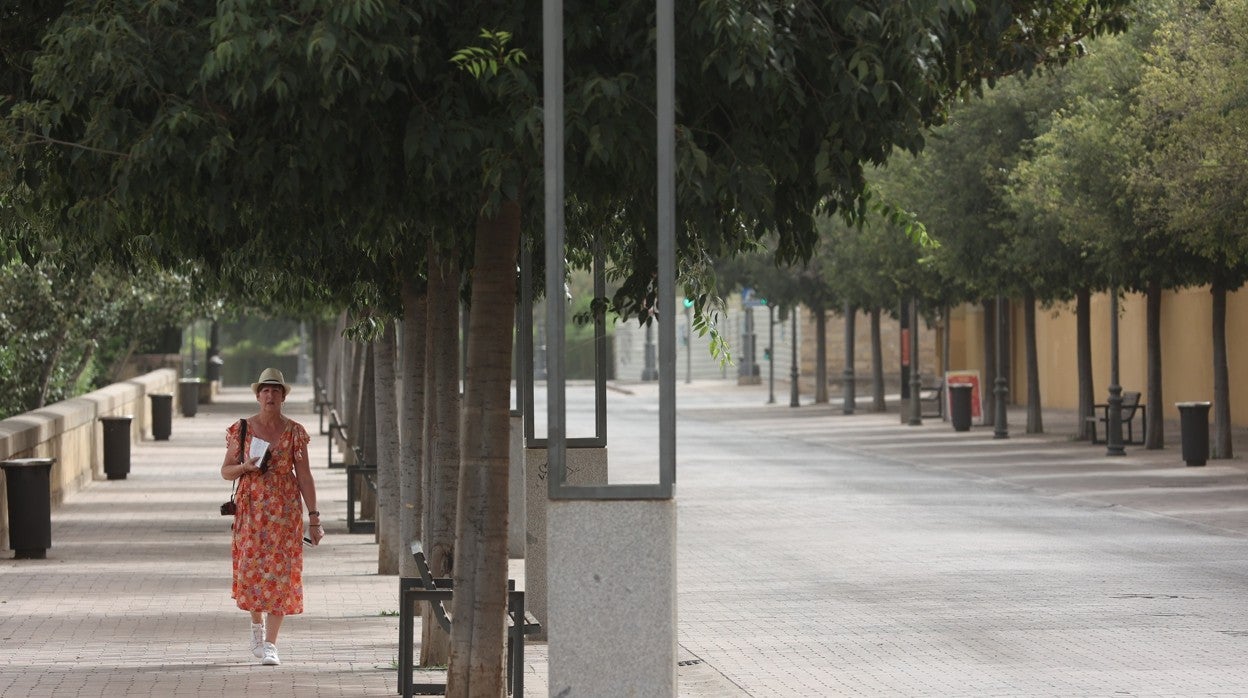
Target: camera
column 228, row 509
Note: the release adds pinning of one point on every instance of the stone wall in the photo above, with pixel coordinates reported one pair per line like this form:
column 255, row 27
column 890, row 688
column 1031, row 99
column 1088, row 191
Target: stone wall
column 70, row 431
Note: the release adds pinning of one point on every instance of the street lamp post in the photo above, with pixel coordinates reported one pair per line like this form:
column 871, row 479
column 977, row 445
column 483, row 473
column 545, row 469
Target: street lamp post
column 194, row 371
column 1001, row 427
column 1113, row 418
column 916, row 379
column 771, row 354
column 793, row 393
column 847, row 376
column 688, row 343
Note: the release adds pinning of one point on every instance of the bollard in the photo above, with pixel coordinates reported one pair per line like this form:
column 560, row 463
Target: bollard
column 960, row 406
column 27, row 481
column 116, row 446
column 162, row 415
column 1194, row 430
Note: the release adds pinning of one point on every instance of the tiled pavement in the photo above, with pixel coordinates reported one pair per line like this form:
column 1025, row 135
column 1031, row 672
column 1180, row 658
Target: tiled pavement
column 819, row 554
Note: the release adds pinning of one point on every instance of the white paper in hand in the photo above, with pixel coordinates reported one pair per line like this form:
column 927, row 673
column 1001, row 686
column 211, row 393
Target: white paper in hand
column 258, row 448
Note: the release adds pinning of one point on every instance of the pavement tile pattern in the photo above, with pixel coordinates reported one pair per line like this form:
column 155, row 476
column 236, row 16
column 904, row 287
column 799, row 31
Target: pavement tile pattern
column 819, row 555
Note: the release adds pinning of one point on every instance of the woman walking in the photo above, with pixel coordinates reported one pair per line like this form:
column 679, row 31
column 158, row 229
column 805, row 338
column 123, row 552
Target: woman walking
column 273, row 489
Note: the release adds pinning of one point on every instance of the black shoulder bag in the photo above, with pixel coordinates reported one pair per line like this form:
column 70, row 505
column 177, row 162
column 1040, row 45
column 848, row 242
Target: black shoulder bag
column 229, row 508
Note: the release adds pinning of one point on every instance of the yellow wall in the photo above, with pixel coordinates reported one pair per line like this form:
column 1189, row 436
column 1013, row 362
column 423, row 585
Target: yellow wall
column 1186, row 338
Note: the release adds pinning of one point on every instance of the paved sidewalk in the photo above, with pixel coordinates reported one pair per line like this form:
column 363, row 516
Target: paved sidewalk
column 134, row 598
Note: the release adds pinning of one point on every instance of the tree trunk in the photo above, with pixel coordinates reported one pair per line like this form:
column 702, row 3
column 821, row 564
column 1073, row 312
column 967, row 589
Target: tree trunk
column 84, row 362
column 1083, row 359
column 990, row 361
column 878, row 403
column 368, row 426
column 1154, row 428
column 1221, row 377
column 365, row 431
column 384, row 384
column 412, row 412
column 50, row 364
column 355, row 420
column 442, row 415
column 849, row 389
column 321, row 340
column 1035, row 420
column 946, row 344
column 821, row 355
column 481, row 575
column 339, row 368
column 114, row 371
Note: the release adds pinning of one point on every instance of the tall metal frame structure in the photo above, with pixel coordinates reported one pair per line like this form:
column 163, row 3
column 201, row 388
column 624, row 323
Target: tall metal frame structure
column 553, row 156
column 525, row 367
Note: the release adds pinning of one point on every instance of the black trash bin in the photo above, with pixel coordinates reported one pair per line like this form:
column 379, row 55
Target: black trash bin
column 162, row 415
column 188, row 389
column 27, row 481
column 1194, row 431
column 116, row 446
column 960, row 406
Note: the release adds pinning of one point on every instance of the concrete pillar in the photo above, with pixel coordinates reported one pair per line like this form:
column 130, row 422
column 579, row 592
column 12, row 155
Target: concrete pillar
column 586, row 466
column 516, row 487
column 612, row 624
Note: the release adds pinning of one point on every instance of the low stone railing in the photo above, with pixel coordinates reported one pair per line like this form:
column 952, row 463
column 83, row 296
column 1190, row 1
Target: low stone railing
column 71, row 432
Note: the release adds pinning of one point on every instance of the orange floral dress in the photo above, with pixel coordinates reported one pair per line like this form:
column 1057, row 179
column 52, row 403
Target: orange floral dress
column 268, row 528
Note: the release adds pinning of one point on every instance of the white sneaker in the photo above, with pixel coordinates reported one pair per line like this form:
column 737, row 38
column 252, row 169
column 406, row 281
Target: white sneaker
column 270, row 655
column 257, row 639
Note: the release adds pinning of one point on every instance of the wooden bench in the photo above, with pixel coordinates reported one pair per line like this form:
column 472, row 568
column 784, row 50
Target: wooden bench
column 360, row 475
column 932, row 397
column 1130, row 408
column 437, row 593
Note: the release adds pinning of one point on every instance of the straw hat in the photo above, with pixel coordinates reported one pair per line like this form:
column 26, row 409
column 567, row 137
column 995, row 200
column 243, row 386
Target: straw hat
column 271, row 376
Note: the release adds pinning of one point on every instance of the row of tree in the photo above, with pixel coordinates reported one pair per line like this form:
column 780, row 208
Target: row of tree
column 385, row 158
column 1122, row 172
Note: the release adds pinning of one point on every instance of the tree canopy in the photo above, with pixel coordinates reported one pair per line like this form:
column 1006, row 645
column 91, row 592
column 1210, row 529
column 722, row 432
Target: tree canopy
column 239, row 137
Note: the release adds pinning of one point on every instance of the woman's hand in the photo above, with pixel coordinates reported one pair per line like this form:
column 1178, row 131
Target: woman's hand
column 232, row 470
column 316, row 532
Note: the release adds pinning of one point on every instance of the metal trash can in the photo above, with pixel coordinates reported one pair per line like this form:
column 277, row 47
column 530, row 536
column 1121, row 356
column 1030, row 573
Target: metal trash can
column 188, row 396
column 162, row 415
column 1194, row 430
column 27, row 481
column 116, row 446
column 960, row 406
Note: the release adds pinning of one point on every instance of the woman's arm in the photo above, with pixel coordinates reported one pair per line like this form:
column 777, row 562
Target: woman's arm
column 231, row 469
column 307, row 490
